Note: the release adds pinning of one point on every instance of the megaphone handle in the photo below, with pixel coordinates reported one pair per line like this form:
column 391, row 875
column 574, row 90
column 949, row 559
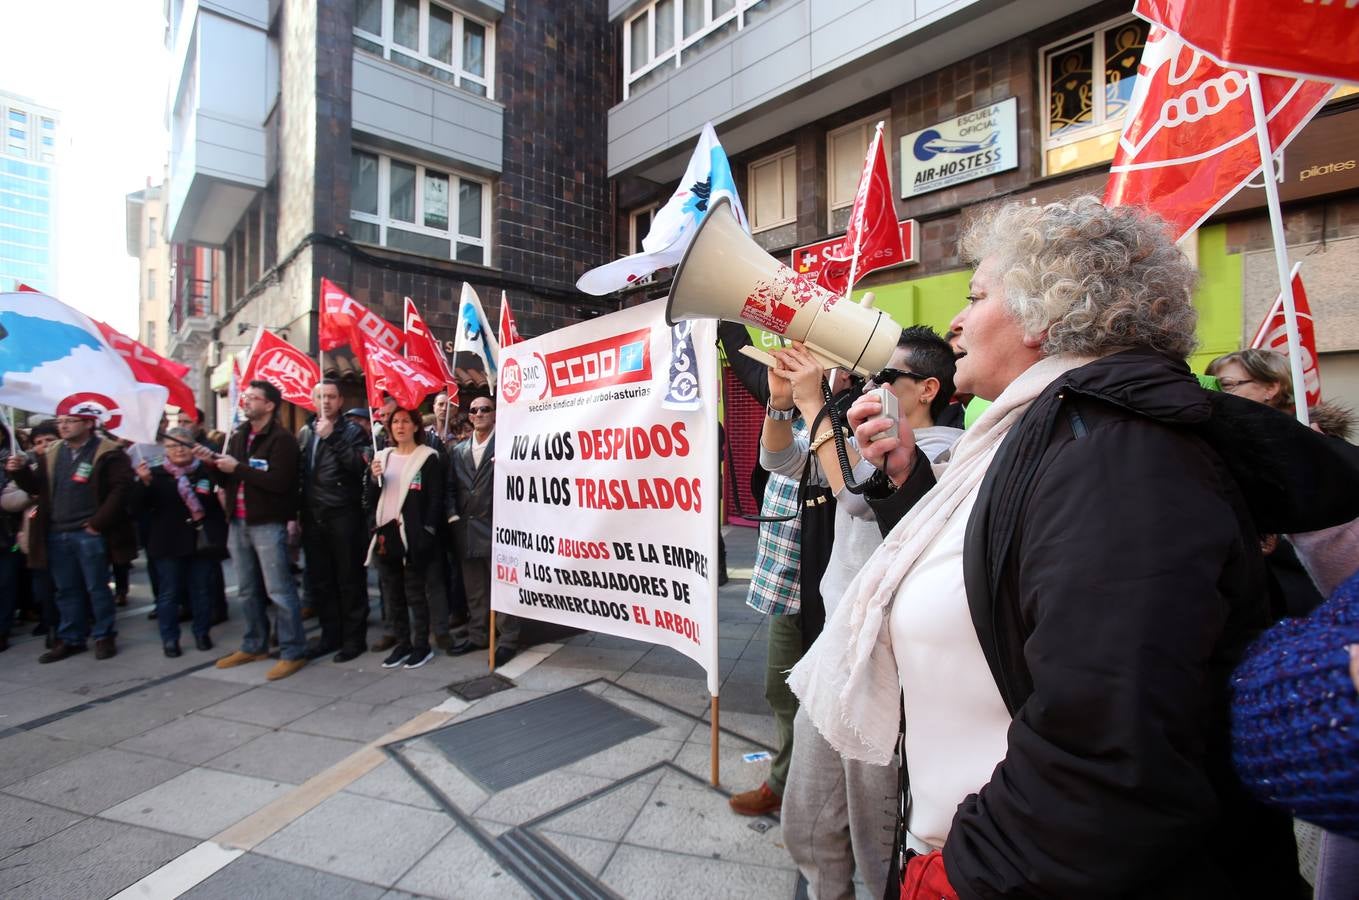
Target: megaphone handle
column 758, row 355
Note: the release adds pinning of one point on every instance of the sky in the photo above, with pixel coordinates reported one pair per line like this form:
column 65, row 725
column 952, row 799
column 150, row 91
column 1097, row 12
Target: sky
column 104, row 67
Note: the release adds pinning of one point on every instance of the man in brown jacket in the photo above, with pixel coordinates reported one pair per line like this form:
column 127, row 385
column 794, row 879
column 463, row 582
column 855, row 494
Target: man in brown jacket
column 80, row 528
column 260, row 465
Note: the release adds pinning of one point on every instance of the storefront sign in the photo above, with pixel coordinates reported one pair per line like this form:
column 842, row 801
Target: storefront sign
column 809, row 260
column 971, row 146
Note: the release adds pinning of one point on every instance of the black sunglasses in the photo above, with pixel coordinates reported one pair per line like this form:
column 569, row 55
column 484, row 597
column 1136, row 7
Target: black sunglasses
column 889, row 375
column 478, row 410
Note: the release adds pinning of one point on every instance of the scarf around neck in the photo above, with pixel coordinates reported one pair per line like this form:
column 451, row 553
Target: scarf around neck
column 185, row 489
column 847, row 680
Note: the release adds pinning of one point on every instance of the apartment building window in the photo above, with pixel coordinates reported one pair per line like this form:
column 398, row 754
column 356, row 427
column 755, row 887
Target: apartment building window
column 150, row 335
column 846, row 148
column 409, row 206
column 663, row 32
column 430, row 38
column 151, row 231
column 639, row 224
column 1088, row 80
column 773, row 191
column 150, row 284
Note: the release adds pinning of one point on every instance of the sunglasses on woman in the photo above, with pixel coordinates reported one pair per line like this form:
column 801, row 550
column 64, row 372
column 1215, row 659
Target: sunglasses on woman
column 889, row 375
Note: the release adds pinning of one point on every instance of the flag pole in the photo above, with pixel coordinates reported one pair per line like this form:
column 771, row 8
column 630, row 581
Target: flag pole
column 1276, row 228
column 490, row 644
column 13, row 436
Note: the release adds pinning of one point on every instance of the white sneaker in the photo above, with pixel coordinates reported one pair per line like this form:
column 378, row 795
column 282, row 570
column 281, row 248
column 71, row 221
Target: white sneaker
column 417, row 659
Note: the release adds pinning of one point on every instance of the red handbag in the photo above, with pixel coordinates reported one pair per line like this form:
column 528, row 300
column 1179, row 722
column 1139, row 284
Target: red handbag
column 925, row 879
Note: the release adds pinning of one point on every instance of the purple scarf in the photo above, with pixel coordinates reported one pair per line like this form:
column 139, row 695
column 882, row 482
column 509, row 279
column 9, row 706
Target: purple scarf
column 185, row 489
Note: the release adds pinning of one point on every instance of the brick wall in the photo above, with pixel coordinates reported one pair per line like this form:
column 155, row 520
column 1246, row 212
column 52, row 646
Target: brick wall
column 554, row 75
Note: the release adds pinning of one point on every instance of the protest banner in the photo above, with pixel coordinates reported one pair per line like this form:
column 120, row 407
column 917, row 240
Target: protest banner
column 606, row 481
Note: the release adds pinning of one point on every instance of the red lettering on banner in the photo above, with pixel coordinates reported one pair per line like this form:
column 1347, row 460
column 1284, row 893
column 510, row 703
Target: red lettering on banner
column 621, row 359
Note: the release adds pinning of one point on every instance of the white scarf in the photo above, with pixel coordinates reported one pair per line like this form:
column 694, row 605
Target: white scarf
column 847, row 680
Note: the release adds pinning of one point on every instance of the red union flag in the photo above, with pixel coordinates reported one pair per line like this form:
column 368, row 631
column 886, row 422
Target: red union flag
column 285, row 367
column 872, row 232
column 1312, row 38
column 508, row 333
column 421, row 346
column 340, row 312
column 1273, row 335
column 149, row 367
column 404, row 380
column 1189, row 140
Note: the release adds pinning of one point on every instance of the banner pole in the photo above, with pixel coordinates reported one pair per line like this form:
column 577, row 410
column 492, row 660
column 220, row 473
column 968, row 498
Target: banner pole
column 1276, row 228
column 490, row 644
column 13, row 435
column 716, row 780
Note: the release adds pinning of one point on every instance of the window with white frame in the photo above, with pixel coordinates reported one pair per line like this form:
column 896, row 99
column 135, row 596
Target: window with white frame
column 406, row 205
column 846, row 148
column 150, row 284
column 151, row 231
column 1088, row 80
column 639, row 223
column 430, row 38
column 772, row 190
column 664, row 31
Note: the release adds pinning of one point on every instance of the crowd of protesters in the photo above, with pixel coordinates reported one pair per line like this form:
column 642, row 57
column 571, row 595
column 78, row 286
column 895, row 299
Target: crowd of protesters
column 414, row 502
column 1058, row 627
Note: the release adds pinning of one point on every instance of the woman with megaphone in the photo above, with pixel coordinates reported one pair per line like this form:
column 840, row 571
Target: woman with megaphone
column 1058, row 607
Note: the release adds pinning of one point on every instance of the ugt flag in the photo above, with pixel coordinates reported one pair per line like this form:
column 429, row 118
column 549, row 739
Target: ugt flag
column 1189, row 141
column 872, row 233
column 474, row 334
column 287, row 368
column 54, row 360
column 1273, row 335
column 707, row 178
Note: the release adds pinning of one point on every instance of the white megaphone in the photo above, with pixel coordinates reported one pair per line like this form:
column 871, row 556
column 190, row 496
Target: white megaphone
column 726, row 275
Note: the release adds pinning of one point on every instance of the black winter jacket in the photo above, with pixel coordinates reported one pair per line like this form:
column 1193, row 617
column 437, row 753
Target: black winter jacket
column 1114, row 577
column 422, row 510
column 333, row 469
column 172, row 532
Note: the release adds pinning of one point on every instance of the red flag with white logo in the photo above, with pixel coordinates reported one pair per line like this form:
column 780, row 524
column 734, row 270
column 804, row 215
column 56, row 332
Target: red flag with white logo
column 872, row 233
column 285, row 367
column 339, row 312
column 423, row 348
column 404, row 380
column 508, row 333
column 149, row 367
column 1309, row 38
column 1273, row 335
column 1189, row 140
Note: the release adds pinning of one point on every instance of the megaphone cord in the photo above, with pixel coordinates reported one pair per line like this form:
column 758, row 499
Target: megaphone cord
column 838, row 428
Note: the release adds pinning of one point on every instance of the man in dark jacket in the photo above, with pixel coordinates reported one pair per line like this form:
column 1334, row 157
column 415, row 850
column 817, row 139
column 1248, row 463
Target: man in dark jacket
column 260, row 466
column 81, row 527
column 471, row 485
column 333, row 459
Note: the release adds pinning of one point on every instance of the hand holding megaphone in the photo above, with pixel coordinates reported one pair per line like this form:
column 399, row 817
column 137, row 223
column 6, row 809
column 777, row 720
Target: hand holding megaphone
column 724, row 274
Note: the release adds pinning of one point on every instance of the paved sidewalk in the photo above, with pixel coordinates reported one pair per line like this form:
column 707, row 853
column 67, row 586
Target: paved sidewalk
column 163, row 778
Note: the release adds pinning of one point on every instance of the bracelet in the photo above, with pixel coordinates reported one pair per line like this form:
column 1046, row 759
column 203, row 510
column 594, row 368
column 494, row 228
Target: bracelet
column 825, row 436
column 780, row 415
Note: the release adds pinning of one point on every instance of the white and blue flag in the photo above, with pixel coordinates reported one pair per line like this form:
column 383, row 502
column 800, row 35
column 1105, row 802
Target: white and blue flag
column 707, row 179
column 474, row 334
column 54, row 360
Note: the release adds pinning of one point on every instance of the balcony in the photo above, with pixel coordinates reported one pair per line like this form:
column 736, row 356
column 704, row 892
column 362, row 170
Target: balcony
column 793, row 62
column 227, row 77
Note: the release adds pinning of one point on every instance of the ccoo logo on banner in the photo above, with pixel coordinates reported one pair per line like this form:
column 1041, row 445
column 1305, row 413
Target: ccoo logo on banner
column 614, row 360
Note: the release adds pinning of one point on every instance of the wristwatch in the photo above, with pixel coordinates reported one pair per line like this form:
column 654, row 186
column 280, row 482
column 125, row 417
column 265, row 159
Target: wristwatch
column 780, row 415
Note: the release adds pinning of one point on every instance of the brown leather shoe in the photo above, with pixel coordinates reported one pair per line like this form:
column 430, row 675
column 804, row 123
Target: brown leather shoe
column 386, row 642
column 285, row 667
column 760, row 802
column 60, row 650
column 105, row 648
column 240, row 658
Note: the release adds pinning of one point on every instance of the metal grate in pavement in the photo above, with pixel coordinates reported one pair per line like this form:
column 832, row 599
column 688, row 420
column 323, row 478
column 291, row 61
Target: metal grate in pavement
column 511, row 746
column 482, row 686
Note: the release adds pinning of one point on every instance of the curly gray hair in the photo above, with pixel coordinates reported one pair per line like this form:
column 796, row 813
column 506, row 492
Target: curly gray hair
column 1089, row 278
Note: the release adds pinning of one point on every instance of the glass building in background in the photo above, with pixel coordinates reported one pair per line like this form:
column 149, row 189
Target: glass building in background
column 28, row 150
